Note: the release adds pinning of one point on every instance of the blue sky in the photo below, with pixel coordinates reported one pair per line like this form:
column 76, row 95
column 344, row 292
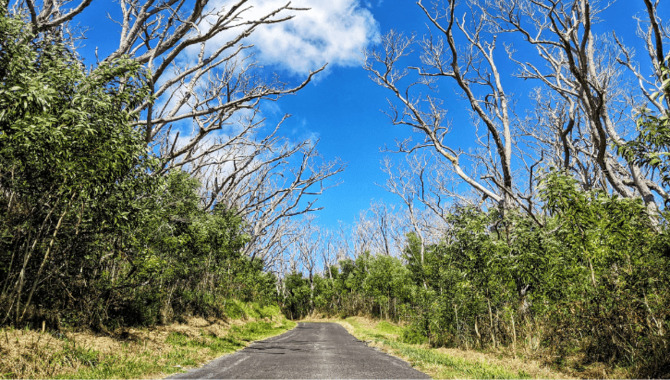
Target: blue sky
column 343, row 108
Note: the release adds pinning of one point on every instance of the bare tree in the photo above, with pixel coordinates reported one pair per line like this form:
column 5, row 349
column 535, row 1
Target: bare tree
column 583, row 70
column 201, row 70
column 655, row 35
column 472, row 67
column 307, row 245
column 583, row 100
column 402, row 184
column 203, row 114
column 379, row 230
column 421, row 184
column 268, row 186
column 52, row 14
column 329, row 253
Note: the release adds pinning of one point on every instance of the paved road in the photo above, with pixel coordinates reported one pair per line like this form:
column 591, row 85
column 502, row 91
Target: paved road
column 311, row 350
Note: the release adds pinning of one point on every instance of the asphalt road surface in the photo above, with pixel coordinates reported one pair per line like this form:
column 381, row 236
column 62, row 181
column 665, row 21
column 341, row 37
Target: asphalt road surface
column 309, row 351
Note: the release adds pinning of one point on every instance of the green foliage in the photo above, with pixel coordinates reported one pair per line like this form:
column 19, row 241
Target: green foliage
column 610, row 260
column 91, row 233
column 67, row 150
column 593, row 278
column 651, row 148
column 413, row 335
column 376, row 285
column 296, row 301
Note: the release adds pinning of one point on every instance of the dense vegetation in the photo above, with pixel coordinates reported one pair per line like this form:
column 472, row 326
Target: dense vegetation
column 92, row 234
column 592, row 278
column 99, row 230
column 561, row 248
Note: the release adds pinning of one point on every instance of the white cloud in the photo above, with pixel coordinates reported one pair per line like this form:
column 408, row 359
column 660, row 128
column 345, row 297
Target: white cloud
column 331, row 31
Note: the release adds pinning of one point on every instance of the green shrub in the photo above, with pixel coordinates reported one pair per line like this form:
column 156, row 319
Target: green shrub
column 413, row 334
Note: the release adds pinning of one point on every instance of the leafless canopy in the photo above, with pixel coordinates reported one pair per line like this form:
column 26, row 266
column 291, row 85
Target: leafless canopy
column 204, row 113
column 583, row 98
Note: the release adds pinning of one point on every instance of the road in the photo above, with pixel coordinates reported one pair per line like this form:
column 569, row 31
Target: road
column 311, row 350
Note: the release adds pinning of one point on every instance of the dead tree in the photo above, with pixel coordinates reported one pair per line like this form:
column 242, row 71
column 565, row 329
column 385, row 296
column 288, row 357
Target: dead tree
column 463, row 55
column 203, row 115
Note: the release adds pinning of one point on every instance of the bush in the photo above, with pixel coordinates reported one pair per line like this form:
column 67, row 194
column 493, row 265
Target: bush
column 414, row 334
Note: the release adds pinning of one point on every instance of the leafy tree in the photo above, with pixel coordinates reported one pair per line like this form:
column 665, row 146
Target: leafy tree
column 66, row 144
column 95, row 234
column 651, row 148
column 296, row 303
column 387, row 283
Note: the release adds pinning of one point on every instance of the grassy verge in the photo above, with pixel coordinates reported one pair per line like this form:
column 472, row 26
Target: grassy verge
column 137, row 352
column 441, row 362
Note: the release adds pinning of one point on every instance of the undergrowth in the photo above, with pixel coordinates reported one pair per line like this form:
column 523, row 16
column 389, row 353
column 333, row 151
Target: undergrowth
column 135, row 353
column 438, row 362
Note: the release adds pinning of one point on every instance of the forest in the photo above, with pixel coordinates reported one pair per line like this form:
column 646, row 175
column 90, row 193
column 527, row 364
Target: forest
column 550, row 234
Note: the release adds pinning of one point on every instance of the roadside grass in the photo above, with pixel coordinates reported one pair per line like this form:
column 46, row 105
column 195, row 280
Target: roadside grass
column 135, row 352
column 441, row 362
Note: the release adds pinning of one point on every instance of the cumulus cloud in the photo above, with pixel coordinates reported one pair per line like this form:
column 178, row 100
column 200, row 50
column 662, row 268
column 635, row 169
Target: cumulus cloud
column 331, row 31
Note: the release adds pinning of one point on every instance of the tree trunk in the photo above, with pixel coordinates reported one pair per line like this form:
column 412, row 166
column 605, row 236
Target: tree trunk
column 493, row 335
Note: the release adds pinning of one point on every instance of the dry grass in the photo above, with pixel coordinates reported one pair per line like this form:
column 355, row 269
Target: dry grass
column 133, row 352
column 535, row 369
column 447, row 362
column 530, row 363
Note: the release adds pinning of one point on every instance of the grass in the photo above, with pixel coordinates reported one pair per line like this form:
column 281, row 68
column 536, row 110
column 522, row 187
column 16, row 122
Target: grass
column 134, row 353
column 441, row 362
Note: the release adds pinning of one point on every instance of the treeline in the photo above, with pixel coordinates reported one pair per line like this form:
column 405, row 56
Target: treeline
column 92, row 233
column 593, row 277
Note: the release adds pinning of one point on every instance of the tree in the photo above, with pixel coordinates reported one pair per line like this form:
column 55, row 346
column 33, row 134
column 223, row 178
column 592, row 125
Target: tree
column 203, row 77
column 379, row 230
column 426, row 189
column 445, row 59
column 583, row 72
column 67, row 145
column 651, row 148
column 580, row 101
